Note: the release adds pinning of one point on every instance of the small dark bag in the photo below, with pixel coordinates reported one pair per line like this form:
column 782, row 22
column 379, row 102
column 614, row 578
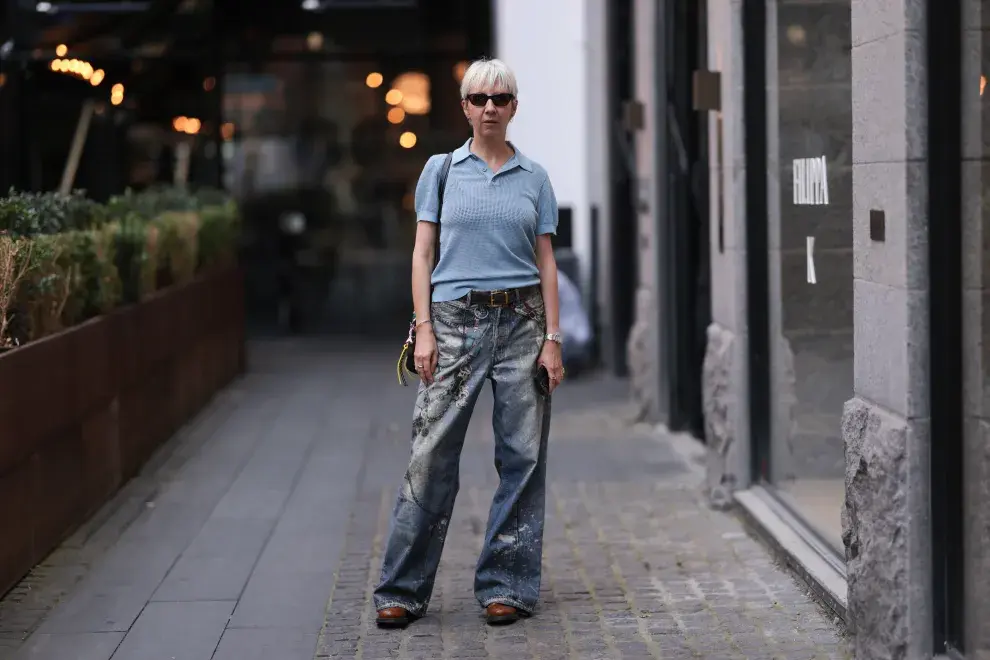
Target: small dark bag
column 406, row 365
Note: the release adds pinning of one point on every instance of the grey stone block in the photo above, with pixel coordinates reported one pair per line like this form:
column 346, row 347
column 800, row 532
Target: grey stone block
column 976, row 480
column 206, row 578
column 79, row 646
column 179, row 631
column 874, row 19
column 976, row 213
column 218, row 562
column 729, row 289
column 98, row 609
column 891, row 366
column 286, row 598
column 975, row 47
column 886, row 532
column 900, row 190
column 975, row 16
column 723, row 400
column 889, row 101
column 266, row 644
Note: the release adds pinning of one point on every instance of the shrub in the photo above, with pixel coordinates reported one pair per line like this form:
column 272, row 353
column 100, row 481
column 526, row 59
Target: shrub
column 48, row 282
column 219, row 228
column 15, row 256
column 178, row 231
column 31, row 214
column 67, row 258
column 98, row 288
column 136, row 258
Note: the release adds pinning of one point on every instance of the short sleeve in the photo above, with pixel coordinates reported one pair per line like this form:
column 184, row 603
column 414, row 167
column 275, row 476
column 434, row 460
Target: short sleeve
column 427, row 200
column 546, row 209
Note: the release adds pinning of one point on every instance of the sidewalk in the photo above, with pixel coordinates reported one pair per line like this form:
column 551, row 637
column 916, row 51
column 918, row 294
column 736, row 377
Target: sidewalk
column 256, row 535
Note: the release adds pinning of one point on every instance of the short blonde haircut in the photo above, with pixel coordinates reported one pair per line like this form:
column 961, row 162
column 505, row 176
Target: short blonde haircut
column 486, row 74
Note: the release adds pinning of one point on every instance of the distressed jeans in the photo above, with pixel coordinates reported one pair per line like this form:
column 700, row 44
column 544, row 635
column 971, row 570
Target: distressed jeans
column 475, row 344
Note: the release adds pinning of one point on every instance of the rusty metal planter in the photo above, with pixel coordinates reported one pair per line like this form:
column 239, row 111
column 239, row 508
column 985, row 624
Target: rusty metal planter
column 82, row 410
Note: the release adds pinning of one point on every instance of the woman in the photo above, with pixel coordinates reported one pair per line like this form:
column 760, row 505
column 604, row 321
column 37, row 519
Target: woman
column 493, row 316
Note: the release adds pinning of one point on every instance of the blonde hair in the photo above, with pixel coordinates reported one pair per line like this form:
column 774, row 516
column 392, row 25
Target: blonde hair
column 485, row 74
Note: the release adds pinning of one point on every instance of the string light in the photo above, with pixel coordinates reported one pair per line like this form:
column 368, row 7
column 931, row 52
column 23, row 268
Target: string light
column 78, row 68
column 187, row 125
column 374, row 80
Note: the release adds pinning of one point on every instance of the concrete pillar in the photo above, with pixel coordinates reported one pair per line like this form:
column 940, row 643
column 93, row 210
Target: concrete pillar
column 644, row 339
column 725, row 378
column 885, row 426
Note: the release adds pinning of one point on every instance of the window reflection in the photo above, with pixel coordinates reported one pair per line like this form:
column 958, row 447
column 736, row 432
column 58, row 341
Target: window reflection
column 342, row 143
column 811, row 315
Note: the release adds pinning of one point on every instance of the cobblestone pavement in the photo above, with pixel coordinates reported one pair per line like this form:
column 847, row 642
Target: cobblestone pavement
column 257, row 535
column 635, row 566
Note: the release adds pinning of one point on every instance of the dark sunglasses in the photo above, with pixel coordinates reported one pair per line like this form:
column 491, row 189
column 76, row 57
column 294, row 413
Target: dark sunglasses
column 481, row 100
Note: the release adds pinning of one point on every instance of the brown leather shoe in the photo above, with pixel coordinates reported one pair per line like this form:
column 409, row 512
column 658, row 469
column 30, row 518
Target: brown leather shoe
column 394, row 617
column 498, row 614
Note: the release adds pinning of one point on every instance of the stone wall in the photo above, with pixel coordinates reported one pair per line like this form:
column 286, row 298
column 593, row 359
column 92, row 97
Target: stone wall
column 886, row 525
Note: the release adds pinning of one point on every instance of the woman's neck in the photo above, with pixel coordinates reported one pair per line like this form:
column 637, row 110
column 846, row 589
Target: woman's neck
column 493, row 151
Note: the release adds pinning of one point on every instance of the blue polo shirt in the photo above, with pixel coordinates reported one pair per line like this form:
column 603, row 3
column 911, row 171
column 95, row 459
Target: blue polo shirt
column 489, row 223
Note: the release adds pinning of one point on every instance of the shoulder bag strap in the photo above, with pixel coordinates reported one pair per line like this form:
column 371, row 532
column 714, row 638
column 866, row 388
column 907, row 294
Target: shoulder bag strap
column 441, row 184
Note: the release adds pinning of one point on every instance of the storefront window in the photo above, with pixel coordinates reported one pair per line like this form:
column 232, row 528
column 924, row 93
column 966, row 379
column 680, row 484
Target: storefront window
column 809, row 108
column 324, row 157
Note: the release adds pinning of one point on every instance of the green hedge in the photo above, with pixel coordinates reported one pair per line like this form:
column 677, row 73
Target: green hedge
column 66, row 258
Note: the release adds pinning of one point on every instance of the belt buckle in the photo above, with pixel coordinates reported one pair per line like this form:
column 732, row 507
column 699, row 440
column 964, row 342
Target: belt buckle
column 492, row 298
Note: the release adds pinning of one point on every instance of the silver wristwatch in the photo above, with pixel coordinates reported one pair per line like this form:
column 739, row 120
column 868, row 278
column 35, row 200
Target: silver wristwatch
column 554, row 336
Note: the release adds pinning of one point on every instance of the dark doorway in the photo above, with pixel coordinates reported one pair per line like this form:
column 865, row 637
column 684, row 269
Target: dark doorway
column 945, row 254
column 622, row 248
column 684, row 212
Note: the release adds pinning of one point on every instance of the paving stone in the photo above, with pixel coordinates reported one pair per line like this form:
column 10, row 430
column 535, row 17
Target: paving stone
column 79, row 646
column 266, row 644
column 179, row 631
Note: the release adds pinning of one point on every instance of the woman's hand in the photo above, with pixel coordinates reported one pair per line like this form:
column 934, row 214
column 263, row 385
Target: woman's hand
column 550, row 358
column 425, row 356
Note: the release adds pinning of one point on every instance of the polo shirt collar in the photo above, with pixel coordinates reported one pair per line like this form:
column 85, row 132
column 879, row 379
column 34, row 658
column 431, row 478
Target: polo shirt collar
column 464, row 151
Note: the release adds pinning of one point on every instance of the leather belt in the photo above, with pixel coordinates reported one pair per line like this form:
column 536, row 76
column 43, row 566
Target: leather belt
column 502, row 298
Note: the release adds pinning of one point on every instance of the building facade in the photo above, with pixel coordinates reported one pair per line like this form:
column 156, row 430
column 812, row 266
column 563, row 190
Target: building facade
column 844, row 373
